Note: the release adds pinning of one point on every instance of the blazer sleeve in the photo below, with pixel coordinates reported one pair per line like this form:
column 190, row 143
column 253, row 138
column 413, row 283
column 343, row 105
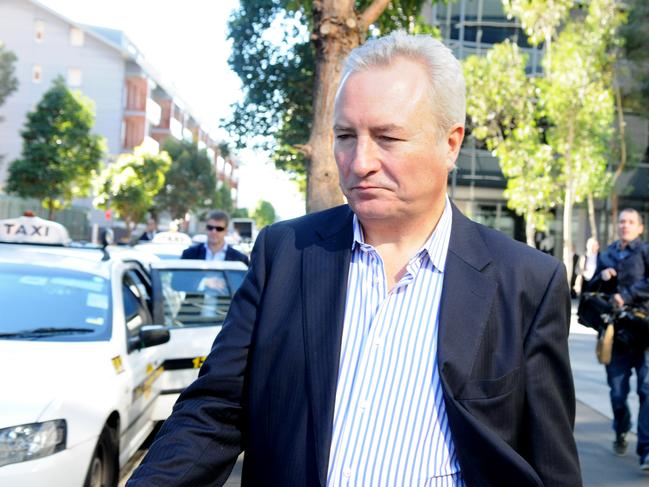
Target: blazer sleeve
column 199, row 443
column 549, row 390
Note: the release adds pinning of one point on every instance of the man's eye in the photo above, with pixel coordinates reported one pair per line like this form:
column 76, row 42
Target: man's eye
column 343, row 136
column 387, row 138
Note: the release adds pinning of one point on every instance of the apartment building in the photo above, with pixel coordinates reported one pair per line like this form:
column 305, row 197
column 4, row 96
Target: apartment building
column 134, row 105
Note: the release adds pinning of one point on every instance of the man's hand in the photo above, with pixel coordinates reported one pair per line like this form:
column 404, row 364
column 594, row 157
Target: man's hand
column 608, row 273
column 618, row 300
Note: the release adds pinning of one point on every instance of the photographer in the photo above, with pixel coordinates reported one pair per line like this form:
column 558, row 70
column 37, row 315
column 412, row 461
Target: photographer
column 623, row 273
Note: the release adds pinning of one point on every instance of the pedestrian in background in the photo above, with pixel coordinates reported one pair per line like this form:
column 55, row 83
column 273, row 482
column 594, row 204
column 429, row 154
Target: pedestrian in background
column 215, row 248
column 623, row 273
column 150, row 231
column 391, row 342
column 586, row 266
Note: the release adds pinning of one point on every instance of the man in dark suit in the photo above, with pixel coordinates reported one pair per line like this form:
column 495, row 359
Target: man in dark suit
column 215, row 248
column 150, row 231
column 392, row 341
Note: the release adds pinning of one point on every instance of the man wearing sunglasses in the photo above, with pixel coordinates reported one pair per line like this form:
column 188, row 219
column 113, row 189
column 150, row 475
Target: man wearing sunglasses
column 215, row 248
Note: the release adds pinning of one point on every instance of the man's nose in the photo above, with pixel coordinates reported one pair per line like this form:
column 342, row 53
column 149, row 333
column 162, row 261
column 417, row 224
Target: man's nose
column 366, row 157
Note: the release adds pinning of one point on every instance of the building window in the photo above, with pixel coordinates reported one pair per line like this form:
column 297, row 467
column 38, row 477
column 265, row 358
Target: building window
column 37, row 73
column 74, row 77
column 76, row 36
column 39, row 31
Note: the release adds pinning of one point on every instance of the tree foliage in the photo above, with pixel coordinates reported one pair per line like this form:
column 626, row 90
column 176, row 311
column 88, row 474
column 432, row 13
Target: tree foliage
column 285, row 75
column 59, row 153
column 8, row 80
column 636, row 50
column 504, row 112
column 128, row 186
column 223, row 198
column 552, row 134
column 190, row 181
column 264, row 214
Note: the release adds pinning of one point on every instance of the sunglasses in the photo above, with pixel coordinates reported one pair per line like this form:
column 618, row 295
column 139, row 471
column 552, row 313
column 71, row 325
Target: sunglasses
column 214, row 227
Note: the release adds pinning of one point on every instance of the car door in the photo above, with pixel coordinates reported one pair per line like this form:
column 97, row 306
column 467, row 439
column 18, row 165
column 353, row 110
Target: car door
column 144, row 365
column 192, row 299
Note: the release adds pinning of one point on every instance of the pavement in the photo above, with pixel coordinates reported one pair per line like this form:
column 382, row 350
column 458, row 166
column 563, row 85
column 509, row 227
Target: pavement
column 593, row 433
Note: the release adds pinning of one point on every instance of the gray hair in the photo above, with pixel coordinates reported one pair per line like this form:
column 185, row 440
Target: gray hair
column 448, row 92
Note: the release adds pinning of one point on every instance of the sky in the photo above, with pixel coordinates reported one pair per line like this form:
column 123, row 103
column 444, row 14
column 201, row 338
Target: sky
column 186, row 43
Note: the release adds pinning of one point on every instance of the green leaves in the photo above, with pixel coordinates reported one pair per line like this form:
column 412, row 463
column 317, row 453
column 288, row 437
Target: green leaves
column 264, row 214
column 190, row 181
column 551, row 134
column 278, row 72
column 8, row 80
column 59, row 153
column 129, row 185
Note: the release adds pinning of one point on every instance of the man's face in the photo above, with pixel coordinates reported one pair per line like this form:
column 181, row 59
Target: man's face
column 150, row 226
column 629, row 226
column 216, row 230
column 391, row 161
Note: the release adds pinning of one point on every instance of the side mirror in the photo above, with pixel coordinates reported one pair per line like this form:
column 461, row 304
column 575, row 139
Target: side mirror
column 149, row 336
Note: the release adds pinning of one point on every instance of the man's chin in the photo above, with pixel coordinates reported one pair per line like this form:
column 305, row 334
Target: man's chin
column 372, row 210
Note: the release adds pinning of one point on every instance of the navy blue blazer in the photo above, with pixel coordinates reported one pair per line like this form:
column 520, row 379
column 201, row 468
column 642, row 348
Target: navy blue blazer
column 269, row 384
column 197, row 252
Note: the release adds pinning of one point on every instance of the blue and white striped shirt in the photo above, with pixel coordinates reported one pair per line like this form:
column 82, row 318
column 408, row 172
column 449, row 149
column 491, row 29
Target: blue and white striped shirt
column 390, row 426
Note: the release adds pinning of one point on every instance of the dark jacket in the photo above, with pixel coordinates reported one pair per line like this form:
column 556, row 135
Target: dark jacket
column 268, row 386
column 632, row 266
column 197, row 252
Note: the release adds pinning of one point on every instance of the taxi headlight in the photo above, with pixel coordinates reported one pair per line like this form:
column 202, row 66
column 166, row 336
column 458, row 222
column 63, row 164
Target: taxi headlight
column 31, row 441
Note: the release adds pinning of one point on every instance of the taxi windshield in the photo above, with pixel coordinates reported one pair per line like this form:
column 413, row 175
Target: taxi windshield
column 53, row 304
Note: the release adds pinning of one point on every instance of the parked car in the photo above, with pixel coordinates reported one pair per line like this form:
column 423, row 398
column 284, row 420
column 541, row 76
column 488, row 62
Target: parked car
column 80, row 354
column 192, row 299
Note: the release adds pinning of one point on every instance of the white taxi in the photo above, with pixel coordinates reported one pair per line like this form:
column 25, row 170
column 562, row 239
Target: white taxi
column 80, row 358
column 192, row 298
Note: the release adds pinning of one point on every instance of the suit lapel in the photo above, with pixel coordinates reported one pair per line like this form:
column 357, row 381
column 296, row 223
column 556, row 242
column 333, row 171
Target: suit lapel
column 324, row 287
column 466, row 300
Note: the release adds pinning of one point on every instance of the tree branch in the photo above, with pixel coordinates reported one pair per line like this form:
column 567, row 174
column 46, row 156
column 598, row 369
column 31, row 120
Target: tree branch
column 372, row 13
column 304, row 149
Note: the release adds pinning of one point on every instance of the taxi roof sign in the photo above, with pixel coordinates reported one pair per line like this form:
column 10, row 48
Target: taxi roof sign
column 33, row 230
column 172, row 237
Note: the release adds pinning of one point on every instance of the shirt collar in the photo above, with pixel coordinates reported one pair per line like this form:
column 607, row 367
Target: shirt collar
column 438, row 239
column 208, row 251
column 630, row 246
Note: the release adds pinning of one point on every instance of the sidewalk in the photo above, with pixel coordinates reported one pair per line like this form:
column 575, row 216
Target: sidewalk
column 599, row 466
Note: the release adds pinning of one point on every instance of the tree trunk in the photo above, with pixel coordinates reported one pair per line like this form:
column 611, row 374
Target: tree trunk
column 50, row 208
column 567, row 230
column 622, row 131
column 591, row 217
column 337, row 29
column 568, row 202
column 529, row 230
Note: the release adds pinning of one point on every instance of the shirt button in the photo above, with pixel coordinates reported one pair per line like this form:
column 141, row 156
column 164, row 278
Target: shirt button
column 347, row 472
column 364, row 405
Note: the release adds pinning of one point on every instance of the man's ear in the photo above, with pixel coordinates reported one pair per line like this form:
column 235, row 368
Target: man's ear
column 453, row 143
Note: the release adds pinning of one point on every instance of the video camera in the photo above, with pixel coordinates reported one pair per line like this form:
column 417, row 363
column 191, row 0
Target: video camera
column 597, row 311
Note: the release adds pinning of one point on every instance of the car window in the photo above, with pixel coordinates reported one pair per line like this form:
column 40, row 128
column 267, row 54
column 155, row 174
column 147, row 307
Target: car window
column 136, row 307
column 29, row 295
column 235, row 278
column 196, row 297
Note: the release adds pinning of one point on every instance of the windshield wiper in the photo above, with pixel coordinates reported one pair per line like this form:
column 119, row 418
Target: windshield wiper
column 45, row 331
